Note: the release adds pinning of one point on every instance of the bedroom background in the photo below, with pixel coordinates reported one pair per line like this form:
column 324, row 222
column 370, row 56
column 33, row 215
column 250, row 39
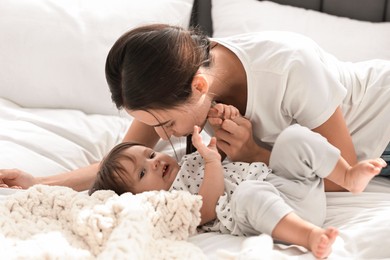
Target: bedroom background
column 56, row 114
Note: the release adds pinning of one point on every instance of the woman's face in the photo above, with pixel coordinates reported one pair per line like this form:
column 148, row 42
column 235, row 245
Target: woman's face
column 178, row 121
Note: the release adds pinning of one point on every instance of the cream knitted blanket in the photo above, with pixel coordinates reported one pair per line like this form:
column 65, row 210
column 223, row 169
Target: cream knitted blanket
column 51, row 222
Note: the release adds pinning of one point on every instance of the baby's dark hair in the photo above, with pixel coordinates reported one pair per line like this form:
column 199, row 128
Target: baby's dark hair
column 111, row 171
column 152, row 66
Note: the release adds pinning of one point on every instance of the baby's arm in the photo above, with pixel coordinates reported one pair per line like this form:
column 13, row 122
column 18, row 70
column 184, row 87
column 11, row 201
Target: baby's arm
column 212, row 186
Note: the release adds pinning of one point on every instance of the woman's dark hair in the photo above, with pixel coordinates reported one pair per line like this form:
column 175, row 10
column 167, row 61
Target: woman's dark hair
column 111, row 170
column 152, row 67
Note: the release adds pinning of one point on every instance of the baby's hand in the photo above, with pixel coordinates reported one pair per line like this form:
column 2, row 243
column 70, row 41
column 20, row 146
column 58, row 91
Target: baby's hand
column 218, row 113
column 210, row 152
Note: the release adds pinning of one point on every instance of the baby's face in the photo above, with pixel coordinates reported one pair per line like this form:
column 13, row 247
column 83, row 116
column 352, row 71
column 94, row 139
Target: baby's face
column 151, row 170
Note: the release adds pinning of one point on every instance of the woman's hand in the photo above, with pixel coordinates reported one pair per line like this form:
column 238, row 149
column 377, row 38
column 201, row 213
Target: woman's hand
column 235, row 139
column 16, row 179
column 234, row 135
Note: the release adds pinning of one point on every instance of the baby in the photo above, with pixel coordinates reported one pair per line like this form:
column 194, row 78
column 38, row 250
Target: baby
column 240, row 198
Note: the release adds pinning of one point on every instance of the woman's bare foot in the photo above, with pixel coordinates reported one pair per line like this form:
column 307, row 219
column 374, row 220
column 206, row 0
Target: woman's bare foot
column 321, row 241
column 358, row 176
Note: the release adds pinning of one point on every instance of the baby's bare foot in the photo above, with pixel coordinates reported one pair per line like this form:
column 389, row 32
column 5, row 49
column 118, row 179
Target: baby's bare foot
column 321, row 241
column 358, row 176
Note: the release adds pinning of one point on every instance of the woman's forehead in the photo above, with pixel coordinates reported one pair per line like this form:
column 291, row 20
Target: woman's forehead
column 154, row 117
column 144, row 117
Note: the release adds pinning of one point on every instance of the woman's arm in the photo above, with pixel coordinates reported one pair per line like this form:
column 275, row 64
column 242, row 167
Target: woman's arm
column 337, row 133
column 79, row 179
column 142, row 134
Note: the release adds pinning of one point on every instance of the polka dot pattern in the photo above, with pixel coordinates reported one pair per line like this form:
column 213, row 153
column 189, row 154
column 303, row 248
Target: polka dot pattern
column 191, row 176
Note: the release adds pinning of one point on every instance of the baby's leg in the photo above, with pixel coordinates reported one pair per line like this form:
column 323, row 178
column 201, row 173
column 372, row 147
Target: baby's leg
column 294, row 230
column 257, row 207
column 356, row 178
column 301, row 154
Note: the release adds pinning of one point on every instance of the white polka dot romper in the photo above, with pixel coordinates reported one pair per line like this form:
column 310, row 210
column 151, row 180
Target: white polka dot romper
column 191, row 175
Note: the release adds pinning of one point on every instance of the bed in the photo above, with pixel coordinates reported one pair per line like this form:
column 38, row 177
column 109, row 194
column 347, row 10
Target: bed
column 56, row 116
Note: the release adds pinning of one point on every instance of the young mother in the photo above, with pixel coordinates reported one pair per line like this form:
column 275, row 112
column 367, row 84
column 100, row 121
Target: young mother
column 167, row 78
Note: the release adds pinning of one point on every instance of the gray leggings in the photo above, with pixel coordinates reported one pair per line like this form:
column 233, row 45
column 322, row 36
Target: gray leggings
column 300, row 159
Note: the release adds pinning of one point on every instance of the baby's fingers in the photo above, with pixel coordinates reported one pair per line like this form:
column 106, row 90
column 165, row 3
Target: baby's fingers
column 213, row 142
column 196, row 137
column 215, row 121
column 215, row 111
column 230, row 112
column 220, row 108
column 197, row 140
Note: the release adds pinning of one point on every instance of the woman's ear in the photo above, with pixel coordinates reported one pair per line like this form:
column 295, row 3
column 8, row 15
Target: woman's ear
column 199, row 84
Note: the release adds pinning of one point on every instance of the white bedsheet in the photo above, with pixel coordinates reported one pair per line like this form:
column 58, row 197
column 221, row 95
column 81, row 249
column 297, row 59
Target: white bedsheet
column 49, row 141
column 363, row 221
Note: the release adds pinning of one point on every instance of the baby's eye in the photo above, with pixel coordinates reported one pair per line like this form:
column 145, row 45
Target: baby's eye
column 142, row 174
column 152, row 155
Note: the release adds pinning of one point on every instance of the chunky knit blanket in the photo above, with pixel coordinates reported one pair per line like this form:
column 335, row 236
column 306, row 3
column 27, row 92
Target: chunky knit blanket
column 51, row 222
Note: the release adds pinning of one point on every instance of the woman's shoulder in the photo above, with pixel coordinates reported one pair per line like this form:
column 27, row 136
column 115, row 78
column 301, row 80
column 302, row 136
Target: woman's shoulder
column 271, row 51
column 269, row 41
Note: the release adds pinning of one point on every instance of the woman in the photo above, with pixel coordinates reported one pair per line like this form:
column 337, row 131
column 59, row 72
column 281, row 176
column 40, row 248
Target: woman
column 168, row 78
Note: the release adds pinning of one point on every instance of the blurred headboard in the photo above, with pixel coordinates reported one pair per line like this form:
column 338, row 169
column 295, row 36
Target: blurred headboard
column 365, row 10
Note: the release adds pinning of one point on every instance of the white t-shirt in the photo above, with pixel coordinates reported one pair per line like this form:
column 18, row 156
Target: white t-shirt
column 290, row 79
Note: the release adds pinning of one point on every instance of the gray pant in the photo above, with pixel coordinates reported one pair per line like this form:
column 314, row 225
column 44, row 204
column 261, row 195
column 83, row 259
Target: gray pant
column 300, row 159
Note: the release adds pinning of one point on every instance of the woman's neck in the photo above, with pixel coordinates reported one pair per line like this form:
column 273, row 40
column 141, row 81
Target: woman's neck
column 229, row 78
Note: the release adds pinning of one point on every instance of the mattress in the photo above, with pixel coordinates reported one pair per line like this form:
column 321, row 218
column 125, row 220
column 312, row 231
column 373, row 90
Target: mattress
column 49, row 141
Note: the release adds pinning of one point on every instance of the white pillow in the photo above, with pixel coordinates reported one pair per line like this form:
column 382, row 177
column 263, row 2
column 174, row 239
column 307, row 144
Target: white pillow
column 347, row 39
column 50, row 141
column 52, row 52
